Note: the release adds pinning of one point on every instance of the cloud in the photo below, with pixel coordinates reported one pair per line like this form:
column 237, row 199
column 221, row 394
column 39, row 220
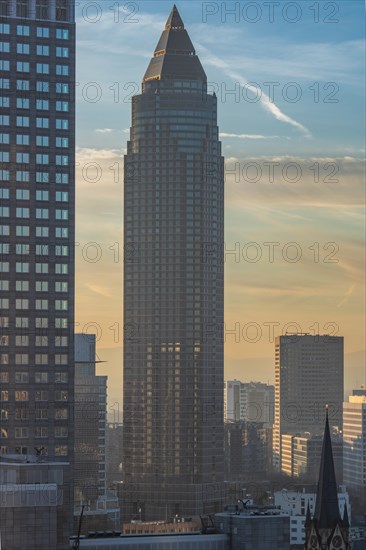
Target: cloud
column 246, row 136
column 347, row 296
column 104, row 130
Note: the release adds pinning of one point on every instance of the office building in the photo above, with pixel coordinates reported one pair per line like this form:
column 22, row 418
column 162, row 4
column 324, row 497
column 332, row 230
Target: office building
column 249, row 401
column 37, row 155
column 354, row 436
column 246, row 450
column 308, row 375
column 173, row 289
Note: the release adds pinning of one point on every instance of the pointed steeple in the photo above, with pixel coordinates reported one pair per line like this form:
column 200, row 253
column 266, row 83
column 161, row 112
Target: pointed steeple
column 308, row 518
column 174, row 56
column 174, row 20
column 326, row 509
column 345, row 521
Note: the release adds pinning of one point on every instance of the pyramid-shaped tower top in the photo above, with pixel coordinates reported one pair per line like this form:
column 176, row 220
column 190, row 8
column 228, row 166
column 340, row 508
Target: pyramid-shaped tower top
column 174, row 20
column 326, row 508
column 174, row 56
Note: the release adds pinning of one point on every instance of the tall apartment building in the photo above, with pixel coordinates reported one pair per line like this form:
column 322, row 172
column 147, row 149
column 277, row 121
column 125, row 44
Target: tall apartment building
column 37, row 210
column 308, row 375
column 173, row 289
column 354, row 436
column 249, row 402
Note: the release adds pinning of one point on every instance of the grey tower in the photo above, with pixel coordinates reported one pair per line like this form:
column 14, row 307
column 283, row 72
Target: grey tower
column 173, row 289
column 37, row 144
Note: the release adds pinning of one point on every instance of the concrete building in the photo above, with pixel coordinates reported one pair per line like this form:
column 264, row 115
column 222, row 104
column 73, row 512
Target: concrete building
column 354, row 436
column 173, row 289
column 192, row 541
column 308, row 375
column 257, row 527
column 37, row 211
column 246, row 450
column 34, row 504
column 249, row 402
column 295, row 504
column 102, row 508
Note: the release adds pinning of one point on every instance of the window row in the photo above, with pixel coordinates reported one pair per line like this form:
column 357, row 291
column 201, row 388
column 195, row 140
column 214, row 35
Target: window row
column 24, row 231
column 40, row 177
column 40, row 286
column 23, row 413
column 41, row 68
column 41, row 86
column 39, row 377
column 40, row 322
column 23, row 395
column 59, row 450
column 41, row 122
column 24, row 267
column 41, row 49
column 41, row 195
column 40, row 213
column 41, row 104
column 40, row 359
column 23, row 303
column 23, row 432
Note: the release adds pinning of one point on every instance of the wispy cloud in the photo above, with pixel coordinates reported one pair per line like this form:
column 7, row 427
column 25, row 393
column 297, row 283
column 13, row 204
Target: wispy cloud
column 104, row 130
column 346, row 296
column 246, row 136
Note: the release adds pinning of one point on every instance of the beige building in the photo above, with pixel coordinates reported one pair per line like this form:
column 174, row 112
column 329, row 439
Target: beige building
column 354, row 436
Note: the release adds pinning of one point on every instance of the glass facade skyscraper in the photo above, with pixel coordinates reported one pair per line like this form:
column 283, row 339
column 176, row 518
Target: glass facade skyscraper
column 37, row 154
column 173, row 289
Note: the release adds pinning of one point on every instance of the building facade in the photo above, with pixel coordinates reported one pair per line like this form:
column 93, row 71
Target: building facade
column 354, row 435
column 37, row 156
column 246, row 450
column 309, row 374
column 249, row 401
column 173, row 288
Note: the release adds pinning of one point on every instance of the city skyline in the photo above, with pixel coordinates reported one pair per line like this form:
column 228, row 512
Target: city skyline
column 282, row 212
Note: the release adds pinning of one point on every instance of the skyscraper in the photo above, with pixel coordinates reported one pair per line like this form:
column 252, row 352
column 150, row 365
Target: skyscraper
column 173, row 289
column 308, row 375
column 354, row 434
column 37, row 143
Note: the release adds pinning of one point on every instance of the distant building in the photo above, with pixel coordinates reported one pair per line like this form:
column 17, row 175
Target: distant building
column 187, row 541
column 308, row 375
column 354, row 436
column 101, row 507
column 246, row 450
column 261, row 528
column 249, row 401
column 301, row 453
column 295, row 504
column 113, row 452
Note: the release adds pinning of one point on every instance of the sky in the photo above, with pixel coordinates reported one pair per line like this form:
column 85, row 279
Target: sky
column 289, row 77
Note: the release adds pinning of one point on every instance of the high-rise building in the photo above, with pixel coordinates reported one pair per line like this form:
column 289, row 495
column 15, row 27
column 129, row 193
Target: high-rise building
column 249, row 401
column 354, row 436
column 173, row 289
column 37, row 154
column 308, row 375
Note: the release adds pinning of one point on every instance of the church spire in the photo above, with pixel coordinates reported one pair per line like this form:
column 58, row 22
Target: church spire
column 327, row 509
column 174, row 20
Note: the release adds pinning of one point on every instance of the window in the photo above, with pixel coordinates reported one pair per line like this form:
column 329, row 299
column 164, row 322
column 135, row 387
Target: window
column 21, row 322
column 42, row 268
column 61, row 431
column 42, row 250
column 42, row 104
column 4, row 395
column 61, row 305
column 22, row 139
column 42, row 141
column 42, row 213
column 4, row 175
column 42, row 231
column 4, row 120
column 4, row 303
column 41, row 341
column 41, row 431
column 62, row 214
column 62, row 88
column 23, row 48
column 21, row 432
column 41, row 414
column 42, row 159
column 22, row 157
column 22, row 249
column 22, row 8
column 21, row 414
column 41, row 195
column 4, row 156
column 22, row 66
column 62, row 160
column 21, row 359
column 23, row 121
column 4, row 65
column 41, row 304
column 22, row 176
column 22, row 303
column 23, row 85
column 4, row 101
column 62, row 178
column 61, row 142
column 5, row 83
column 62, row 34
column 43, row 87
column 61, row 70
column 61, row 232
column 5, row 47
column 21, row 377
column 62, row 52
column 61, row 341
column 42, row 123
column 42, row 68
column 5, row 138
column 22, row 267
column 22, row 286
column 43, row 50
column 61, row 286
column 61, row 323
column 4, row 193
column 22, row 231
column 61, row 269
column 61, row 250
column 4, row 231
column 41, row 377
column 22, row 30
column 41, row 322
column 41, row 395
column 61, row 395
column 4, row 211
column 61, row 414
column 43, row 32
column 62, row 196
column 61, row 10
column 62, row 124
column 22, row 103
column 22, row 212
column 42, row 177
column 62, row 106
column 5, row 27
column 22, row 194
column 61, row 450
